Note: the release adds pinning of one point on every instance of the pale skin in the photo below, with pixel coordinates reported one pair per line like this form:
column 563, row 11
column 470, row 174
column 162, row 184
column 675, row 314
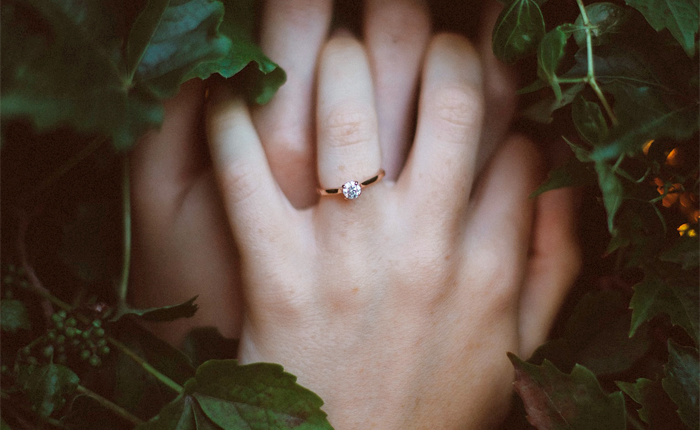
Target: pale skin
column 397, row 308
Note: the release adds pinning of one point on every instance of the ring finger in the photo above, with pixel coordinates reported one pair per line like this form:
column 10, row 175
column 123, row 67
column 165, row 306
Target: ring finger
column 348, row 140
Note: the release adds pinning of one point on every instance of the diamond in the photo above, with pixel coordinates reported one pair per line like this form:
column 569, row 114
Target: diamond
column 351, row 190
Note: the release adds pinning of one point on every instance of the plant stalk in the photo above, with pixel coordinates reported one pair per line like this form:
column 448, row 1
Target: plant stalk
column 146, row 366
column 590, row 76
column 118, row 410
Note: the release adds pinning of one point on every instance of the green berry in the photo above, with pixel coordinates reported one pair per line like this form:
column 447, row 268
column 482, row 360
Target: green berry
column 32, row 360
column 8, row 279
column 86, row 334
column 56, row 317
column 26, row 350
column 101, row 342
column 11, row 267
column 60, row 339
column 59, row 325
column 4, row 368
column 24, row 283
column 84, row 354
column 99, row 332
column 48, row 351
column 62, row 314
column 51, row 335
column 70, row 332
column 104, row 350
column 71, row 322
column 75, row 342
column 90, row 343
column 95, row 361
column 97, row 323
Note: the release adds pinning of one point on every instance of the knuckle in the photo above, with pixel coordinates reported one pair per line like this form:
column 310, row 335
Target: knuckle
column 458, row 110
column 238, row 182
column 348, row 126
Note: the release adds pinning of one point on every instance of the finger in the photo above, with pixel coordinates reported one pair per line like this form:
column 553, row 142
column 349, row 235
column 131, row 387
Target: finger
column 500, row 85
column 254, row 203
column 292, row 34
column 396, row 33
column 501, row 221
column 552, row 269
column 165, row 162
column 440, row 168
column 348, row 143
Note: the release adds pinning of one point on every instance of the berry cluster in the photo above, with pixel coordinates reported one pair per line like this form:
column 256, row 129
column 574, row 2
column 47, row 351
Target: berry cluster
column 87, row 341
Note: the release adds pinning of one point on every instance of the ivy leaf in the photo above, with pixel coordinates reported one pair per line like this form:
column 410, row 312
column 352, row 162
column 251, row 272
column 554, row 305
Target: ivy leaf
column 654, row 295
column 681, row 381
column 613, row 192
column 644, row 114
column 13, row 316
column 549, row 55
column 226, row 395
column 207, row 343
column 605, row 18
column 518, row 30
column 596, row 336
column 164, row 313
column 71, row 71
column 614, row 64
column 572, row 174
column 237, row 25
column 554, row 400
column 47, row 386
column 684, row 251
column 657, row 409
column 542, row 110
column 680, row 17
column 589, row 121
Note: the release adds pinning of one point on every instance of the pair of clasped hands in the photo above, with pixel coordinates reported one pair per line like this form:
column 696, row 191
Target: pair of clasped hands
column 397, row 308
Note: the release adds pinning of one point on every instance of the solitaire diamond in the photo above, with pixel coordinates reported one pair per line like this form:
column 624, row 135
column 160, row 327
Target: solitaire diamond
column 351, row 190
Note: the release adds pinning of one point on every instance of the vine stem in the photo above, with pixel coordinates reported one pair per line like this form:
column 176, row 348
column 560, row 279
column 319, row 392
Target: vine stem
column 36, row 286
column 590, row 76
column 109, row 405
column 146, row 365
column 122, row 288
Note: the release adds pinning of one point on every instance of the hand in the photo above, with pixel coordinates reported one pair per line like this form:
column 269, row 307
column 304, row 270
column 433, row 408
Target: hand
column 397, row 308
column 182, row 243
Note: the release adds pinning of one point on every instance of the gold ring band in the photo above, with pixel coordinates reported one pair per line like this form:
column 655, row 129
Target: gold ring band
column 352, row 189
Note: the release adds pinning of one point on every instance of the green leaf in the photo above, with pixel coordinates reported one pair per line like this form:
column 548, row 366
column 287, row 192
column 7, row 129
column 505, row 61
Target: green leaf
column 596, row 336
column 589, row 121
column 228, row 396
column 681, row 382
column 657, row 409
column 543, row 109
column 680, row 17
column 70, row 69
column 615, row 64
column 583, row 155
column 684, row 251
column 554, row 400
column 654, row 295
column 14, row 316
column 207, row 343
column 47, row 387
column 237, row 26
column 572, row 174
column 551, row 51
column 613, row 191
column 163, row 313
column 644, row 114
column 605, row 18
column 518, row 30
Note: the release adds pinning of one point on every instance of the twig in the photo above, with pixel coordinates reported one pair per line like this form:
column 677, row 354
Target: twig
column 123, row 286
